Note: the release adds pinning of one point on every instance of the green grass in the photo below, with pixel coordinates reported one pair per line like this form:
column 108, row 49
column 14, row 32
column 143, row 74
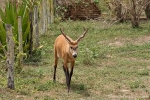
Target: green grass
column 112, row 63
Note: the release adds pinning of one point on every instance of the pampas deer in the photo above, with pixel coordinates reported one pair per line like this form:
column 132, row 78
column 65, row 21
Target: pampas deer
column 66, row 48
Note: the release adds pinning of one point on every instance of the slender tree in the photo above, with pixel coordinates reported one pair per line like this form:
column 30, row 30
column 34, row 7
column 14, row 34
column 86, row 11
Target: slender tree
column 132, row 8
column 135, row 9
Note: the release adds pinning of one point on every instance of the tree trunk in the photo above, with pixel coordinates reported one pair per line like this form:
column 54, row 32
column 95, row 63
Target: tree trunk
column 135, row 22
column 147, row 11
column 48, row 12
column 31, row 33
column 44, row 14
column 134, row 15
column 119, row 13
column 10, row 57
column 20, row 65
column 35, row 29
column 52, row 10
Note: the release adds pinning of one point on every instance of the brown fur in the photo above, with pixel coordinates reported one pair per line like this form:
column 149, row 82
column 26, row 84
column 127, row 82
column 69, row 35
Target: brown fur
column 66, row 49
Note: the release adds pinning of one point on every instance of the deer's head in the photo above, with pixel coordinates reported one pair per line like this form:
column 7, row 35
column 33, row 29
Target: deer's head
column 73, row 45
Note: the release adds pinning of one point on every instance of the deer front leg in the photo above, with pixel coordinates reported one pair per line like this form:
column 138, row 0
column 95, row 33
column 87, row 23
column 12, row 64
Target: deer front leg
column 71, row 72
column 66, row 71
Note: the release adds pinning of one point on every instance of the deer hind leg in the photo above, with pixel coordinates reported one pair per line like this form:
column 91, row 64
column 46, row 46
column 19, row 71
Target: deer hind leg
column 55, row 66
column 66, row 71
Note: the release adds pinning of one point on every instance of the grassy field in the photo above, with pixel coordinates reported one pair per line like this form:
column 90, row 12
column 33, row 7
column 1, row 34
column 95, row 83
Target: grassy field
column 113, row 63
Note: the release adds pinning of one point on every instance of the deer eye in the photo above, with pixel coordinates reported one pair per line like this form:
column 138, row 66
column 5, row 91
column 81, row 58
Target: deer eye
column 71, row 47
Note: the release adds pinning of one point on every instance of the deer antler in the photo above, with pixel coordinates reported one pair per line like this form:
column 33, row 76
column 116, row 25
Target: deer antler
column 85, row 31
column 65, row 35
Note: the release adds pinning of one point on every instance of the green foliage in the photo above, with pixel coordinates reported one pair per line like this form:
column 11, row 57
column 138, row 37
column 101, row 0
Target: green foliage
column 92, row 54
column 134, row 84
column 143, row 72
column 10, row 16
column 82, row 87
column 44, row 86
column 31, row 3
column 35, row 57
column 96, row 1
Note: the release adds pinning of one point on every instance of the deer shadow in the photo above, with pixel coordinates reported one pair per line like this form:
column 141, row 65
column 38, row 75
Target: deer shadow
column 80, row 89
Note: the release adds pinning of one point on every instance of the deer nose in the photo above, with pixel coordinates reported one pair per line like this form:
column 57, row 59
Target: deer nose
column 75, row 55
